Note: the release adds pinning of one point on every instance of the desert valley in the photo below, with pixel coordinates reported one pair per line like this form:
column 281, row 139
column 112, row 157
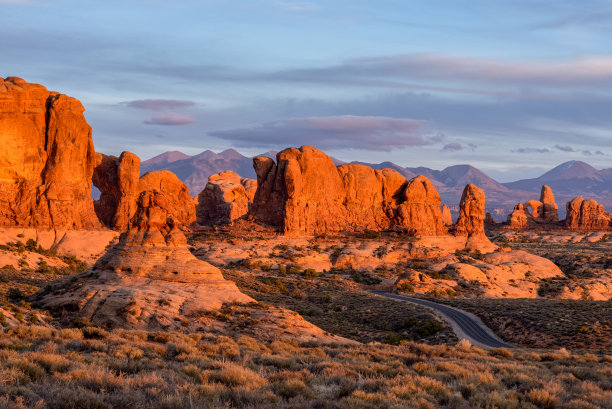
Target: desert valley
column 311, row 284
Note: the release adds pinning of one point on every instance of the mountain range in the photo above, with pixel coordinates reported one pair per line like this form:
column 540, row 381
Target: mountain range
column 568, row 180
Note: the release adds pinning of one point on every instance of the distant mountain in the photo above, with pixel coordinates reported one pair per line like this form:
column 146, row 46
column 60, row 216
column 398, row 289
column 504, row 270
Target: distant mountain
column 195, row 170
column 162, row 160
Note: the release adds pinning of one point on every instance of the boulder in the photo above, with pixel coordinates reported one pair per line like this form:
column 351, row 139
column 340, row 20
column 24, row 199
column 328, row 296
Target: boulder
column 447, row 217
column 46, row 159
column 586, row 215
column 120, row 184
column 226, row 197
column 148, row 280
column 471, row 219
column 305, row 193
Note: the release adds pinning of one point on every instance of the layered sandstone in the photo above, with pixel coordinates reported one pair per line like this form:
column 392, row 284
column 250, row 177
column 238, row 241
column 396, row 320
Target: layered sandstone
column 586, row 215
column 148, row 280
column 46, row 159
column 535, row 212
column 471, row 219
column 447, row 217
column 120, row 184
column 303, row 192
column 226, row 197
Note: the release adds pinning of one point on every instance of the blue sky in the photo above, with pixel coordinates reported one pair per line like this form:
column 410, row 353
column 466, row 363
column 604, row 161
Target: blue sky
column 512, row 87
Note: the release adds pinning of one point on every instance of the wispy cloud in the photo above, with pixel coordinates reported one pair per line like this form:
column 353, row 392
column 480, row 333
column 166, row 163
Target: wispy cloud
column 159, row 104
column 565, row 148
column 531, row 150
column 169, row 119
column 338, row 132
column 588, row 70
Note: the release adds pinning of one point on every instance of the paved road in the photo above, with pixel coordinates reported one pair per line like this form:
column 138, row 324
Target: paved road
column 465, row 324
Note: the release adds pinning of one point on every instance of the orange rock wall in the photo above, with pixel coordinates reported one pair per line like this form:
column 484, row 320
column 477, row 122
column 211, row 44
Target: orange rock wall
column 46, row 158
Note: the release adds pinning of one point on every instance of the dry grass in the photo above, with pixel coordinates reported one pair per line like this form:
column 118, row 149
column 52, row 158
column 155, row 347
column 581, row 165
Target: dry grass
column 45, row 368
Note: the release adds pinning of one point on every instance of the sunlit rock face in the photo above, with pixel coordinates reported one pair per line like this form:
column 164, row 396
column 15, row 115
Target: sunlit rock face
column 226, row 197
column 120, row 184
column 303, row 192
column 471, row 219
column 535, row 213
column 46, row 158
column 586, row 215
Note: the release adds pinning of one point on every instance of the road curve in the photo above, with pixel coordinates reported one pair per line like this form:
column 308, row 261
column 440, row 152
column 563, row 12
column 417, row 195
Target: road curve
column 464, row 324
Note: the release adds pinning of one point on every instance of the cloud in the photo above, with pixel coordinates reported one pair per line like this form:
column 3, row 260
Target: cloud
column 452, row 147
column 337, row 132
column 565, row 148
column 169, row 120
column 531, row 150
column 390, row 70
column 159, row 104
column 591, row 153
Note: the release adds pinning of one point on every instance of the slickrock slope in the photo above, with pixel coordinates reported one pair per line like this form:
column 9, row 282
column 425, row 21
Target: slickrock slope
column 586, row 215
column 46, row 158
column 305, row 193
column 227, row 197
column 533, row 213
column 147, row 280
column 120, row 185
column 471, row 219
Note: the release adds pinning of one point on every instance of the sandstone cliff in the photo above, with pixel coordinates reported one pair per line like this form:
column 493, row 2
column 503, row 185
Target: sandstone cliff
column 46, row 158
column 120, row 185
column 586, row 215
column 303, row 192
column 226, row 197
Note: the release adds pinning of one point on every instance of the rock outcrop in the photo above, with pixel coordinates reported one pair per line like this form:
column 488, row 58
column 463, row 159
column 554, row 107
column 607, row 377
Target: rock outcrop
column 519, row 218
column 533, row 213
column 489, row 220
column 120, row 184
column 148, row 280
column 305, row 193
column 447, row 217
column 550, row 210
column 584, row 214
column 471, row 219
column 46, row 159
column 226, row 197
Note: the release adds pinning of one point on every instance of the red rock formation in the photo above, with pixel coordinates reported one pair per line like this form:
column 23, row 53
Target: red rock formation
column 120, row 185
column 586, row 215
column 226, row 197
column 519, row 218
column 489, row 220
column 550, row 210
column 533, row 212
column 148, row 280
column 46, row 158
column 118, row 181
column 471, row 219
column 447, row 217
column 305, row 193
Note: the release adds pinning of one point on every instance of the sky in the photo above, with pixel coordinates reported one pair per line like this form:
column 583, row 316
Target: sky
column 511, row 87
